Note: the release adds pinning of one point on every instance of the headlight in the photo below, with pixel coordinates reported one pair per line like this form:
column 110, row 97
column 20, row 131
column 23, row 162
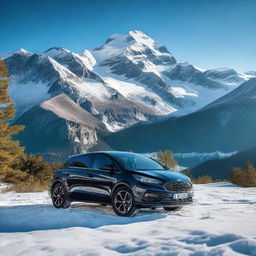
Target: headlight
column 148, row 180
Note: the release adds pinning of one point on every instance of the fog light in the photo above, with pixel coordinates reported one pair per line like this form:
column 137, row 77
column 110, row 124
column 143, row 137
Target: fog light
column 151, row 195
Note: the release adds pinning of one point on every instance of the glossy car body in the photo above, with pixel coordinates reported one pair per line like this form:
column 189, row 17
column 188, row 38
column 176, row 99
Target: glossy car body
column 94, row 177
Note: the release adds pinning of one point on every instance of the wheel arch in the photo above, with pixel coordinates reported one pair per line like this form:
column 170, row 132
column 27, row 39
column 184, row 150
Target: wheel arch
column 55, row 182
column 119, row 185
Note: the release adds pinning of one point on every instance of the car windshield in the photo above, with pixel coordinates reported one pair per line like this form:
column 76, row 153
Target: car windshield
column 137, row 162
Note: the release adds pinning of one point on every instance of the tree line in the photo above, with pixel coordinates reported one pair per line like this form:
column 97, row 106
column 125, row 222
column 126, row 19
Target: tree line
column 26, row 172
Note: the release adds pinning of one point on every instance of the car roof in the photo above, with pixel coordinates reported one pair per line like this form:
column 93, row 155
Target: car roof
column 111, row 153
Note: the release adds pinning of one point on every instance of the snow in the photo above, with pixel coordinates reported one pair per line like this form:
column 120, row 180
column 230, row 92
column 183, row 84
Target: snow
column 4, row 186
column 84, row 88
column 194, row 155
column 21, row 51
column 221, row 69
column 34, row 92
column 55, row 51
column 88, row 59
column 180, row 92
column 113, row 126
column 134, row 91
column 217, row 154
column 250, row 73
column 125, row 43
column 195, row 96
column 97, row 89
column 4, row 55
column 134, row 46
column 220, row 222
column 187, row 64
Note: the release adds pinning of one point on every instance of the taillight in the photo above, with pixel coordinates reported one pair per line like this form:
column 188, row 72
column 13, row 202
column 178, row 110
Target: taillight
column 53, row 173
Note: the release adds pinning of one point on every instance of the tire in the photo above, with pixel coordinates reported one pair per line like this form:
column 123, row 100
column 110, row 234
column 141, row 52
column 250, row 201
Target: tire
column 169, row 209
column 59, row 196
column 123, row 202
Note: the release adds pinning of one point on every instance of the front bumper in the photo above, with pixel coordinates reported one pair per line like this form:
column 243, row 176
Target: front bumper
column 159, row 197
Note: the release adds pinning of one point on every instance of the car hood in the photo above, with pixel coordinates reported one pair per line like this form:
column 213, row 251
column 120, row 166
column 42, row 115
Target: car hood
column 167, row 176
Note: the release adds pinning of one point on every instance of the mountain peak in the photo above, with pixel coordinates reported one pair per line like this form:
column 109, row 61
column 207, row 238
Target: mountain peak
column 132, row 37
column 141, row 37
column 133, row 43
column 53, row 51
column 251, row 73
column 21, row 51
column 223, row 69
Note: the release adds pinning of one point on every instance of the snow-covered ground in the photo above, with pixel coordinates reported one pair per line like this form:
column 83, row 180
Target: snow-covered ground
column 222, row 221
column 4, row 186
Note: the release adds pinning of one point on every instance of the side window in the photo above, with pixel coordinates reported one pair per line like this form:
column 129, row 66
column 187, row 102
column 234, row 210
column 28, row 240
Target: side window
column 86, row 160
column 101, row 161
column 83, row 161
column 77, row 164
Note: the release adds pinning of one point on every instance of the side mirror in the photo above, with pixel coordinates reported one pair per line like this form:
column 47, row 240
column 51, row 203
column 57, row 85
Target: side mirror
column 108, row 168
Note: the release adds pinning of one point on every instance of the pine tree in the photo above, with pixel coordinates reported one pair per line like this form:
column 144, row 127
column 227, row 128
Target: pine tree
column 245, row 177
column 10, row 149
column 166, row 158
column 235, row 176
column 248, row 175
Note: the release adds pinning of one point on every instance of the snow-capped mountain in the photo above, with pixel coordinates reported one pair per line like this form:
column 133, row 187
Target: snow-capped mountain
column 251, row 73
column 37, row 77
column 59, row 127
column 79, row 65
column 131, row 78
column 130, row 66
column 227, row 124
column 138, row 58
column 244, row 93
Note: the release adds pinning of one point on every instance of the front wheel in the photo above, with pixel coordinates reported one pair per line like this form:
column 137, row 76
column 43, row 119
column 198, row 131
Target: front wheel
column 169, row 209
column 123, row 202
column 60, row 196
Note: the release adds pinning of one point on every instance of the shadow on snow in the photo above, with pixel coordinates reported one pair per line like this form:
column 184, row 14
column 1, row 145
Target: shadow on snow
column 45, row 217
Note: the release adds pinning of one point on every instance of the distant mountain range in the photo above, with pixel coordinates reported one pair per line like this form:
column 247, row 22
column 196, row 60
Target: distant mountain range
column 221, row 168
column 75, row 102
column 227, row 124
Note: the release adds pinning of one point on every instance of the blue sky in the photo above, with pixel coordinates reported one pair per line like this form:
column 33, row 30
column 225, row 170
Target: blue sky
column 207, row 33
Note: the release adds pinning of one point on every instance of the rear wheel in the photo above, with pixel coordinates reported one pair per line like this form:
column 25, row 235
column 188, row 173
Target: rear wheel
column 123, row 202
column 60, row 196
column 169, row 209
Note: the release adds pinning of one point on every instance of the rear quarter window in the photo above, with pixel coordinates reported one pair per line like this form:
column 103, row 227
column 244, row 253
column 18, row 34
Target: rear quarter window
column 82, row 161
column 101, row 160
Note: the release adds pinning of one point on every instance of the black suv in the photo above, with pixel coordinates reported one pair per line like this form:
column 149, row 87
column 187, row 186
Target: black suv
column 125, row 180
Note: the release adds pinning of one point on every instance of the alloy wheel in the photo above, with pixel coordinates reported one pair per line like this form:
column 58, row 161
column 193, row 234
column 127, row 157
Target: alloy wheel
column 123, row 202
column 58, row 196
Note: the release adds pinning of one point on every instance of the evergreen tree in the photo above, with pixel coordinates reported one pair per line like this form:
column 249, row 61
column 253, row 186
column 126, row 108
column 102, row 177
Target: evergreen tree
column 248, row 175
column 32, row 164
column 10, row 149
column 235, row 176
column 166, row 158
column 245, row 177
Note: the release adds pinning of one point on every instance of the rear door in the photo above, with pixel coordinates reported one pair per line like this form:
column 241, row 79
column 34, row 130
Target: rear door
column 78, row 177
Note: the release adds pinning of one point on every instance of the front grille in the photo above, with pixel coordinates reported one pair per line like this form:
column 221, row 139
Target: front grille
column 178, row 186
